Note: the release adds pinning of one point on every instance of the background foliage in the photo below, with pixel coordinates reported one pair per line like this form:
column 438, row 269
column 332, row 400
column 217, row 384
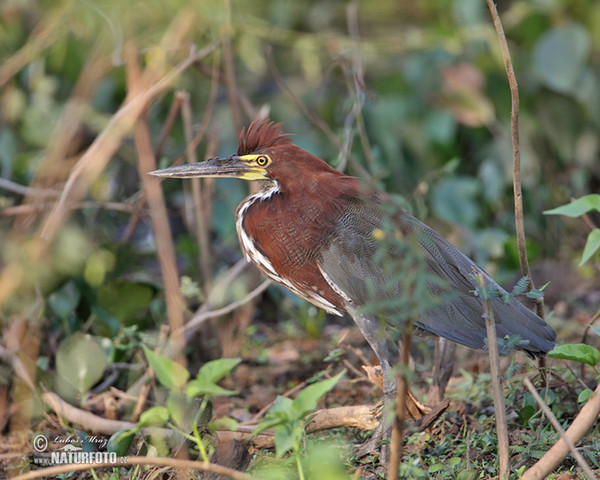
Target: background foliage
column 410, row 96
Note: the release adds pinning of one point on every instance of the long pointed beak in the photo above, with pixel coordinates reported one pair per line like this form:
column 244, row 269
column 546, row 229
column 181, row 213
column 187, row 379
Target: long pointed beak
column 232, row 167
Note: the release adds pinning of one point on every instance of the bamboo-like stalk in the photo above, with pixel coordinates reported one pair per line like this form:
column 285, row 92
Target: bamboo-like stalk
column 514, row 132
column 582, row 423
column 499, row 406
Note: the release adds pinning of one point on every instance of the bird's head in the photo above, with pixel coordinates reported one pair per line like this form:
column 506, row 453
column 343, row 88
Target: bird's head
column 264, row 153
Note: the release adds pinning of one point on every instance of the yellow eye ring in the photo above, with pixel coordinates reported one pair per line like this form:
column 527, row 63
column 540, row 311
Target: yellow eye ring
column 261, row 161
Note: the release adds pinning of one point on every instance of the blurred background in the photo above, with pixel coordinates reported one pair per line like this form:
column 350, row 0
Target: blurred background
column 410, row 96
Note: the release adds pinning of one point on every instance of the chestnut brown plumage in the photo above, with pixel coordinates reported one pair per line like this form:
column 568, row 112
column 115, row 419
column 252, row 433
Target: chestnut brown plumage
column 311, row 229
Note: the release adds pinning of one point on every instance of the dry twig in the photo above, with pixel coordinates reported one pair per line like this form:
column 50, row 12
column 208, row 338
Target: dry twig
column 514, row 130
column 401, row 396
column 202, row 316
column 162, row 233
column 582, row 423
column 157, row 461
column 496, row 378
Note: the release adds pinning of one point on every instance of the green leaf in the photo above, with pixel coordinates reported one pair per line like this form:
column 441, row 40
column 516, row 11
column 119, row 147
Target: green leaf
column 307, row 399
column 286, row 437
column 525, row 414
column 560, row 57
column 215, row 370
column 178, row 406
column 521, row 287
column 579, row 352
column 436, row 468
column 223, row 423
column 537, row 292
column 80, row 361
column 199, row 386
column 64, row 300
column 585, row 395
column 125, row 300
column 591, row 246
column 120, row 441
column 277, row 414
column 455, row 200
column 577, row 208
column 467, row 475
column 169, row 373
column 154, row 417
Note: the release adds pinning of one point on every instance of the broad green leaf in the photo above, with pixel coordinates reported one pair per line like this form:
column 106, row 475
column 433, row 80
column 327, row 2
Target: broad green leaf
column 306, row 401
column 592, row 245
column 560, row 56
column 177, row 403
column 285, row 438
column 64, row 300
column 199, row 386
column 277, row 414
column 269, row 421
column 215, row 370
column 585, row 395
column 282, row 404
column 120, row 441
column 169, row 373
column 223, row 423
column 104, row 322
column 80, row 361
column 436, row 468
column 525, row 414
column 577, row 208
column 125, row 300
column 468, row 475
column 154, row 417
column 579, row 352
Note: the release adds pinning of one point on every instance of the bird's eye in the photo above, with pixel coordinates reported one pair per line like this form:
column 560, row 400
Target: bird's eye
column 262, row 161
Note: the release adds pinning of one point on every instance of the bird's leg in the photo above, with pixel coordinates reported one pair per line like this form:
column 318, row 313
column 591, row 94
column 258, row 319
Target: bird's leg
column 374, row 333
column 443, row 364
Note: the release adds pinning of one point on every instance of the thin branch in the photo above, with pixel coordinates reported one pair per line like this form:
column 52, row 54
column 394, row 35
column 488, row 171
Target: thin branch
column 27, row 208
column 29, row 191
column 104, row 146
column 314, row 119
column 162, row 233
column 496, row 378
column 158, row 461
column 582, row 423
column 168, row 125
column 200, row 317
column 401, row 395
column 196, row 207
column 228, row 66
column 514, row 130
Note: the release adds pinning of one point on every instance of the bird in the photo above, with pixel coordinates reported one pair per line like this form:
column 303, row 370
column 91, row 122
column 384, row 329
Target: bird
column 315, row 230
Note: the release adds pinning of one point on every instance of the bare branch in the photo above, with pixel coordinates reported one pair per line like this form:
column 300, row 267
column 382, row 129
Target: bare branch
column 582, row 423
column 514, row 130
column 499, row 405
column 158, row 461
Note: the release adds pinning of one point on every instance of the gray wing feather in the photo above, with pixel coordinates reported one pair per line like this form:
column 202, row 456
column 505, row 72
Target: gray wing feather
column 348, row 261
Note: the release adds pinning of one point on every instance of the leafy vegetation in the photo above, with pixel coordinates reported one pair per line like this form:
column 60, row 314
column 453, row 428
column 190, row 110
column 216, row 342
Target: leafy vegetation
column 410, row 96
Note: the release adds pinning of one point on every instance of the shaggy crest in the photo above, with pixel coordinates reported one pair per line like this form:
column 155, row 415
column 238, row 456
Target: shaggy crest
column 261, row 134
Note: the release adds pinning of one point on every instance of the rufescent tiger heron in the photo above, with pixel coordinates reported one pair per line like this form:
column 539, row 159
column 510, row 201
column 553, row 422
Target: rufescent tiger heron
column 311, row 229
